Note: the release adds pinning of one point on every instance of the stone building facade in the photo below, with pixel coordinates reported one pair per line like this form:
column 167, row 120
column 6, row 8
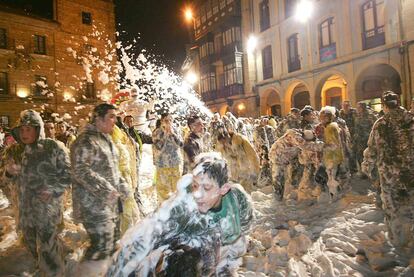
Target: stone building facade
column 217, row 56
column 49, row 61
column 346, row 50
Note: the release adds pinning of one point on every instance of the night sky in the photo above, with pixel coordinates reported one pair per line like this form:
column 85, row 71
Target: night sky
column 159, row 24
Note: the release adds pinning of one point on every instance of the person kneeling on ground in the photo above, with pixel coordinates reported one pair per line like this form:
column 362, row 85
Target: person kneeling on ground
column 199, row 231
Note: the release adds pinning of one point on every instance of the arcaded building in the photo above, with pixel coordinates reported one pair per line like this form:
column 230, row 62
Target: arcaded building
column 345, row 50
column 49, row 53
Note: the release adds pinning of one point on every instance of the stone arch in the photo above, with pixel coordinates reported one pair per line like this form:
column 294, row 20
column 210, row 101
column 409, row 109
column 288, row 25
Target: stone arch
column 331, row 89
column 297, row 95
column 374, row 80
column 270, row 102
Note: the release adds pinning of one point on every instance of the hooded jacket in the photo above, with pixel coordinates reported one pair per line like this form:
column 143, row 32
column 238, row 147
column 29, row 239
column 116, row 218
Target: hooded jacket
column 45, row 167
column 95, row 175
column 391, row 149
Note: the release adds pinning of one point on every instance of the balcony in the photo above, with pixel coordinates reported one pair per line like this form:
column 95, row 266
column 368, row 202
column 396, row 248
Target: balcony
column 224, row 92
column 373, row 38
column 294, row 64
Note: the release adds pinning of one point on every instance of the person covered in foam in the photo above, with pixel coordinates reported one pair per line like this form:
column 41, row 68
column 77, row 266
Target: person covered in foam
column 199, row 231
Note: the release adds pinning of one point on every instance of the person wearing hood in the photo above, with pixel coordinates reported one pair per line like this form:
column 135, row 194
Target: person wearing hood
column 243, row 160
column 391, row 150
column 200, row 231
column 333, row 154
column 43, row 176
column 98, row 186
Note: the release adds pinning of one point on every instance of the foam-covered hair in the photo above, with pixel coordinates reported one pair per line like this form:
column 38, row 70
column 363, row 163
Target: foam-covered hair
column 212, row 164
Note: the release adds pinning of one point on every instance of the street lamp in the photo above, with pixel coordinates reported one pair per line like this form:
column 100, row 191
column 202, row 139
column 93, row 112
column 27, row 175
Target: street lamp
column 188, row 14
column 191, row 78
column 22, row 93
column 304, row 10
column 251, row 44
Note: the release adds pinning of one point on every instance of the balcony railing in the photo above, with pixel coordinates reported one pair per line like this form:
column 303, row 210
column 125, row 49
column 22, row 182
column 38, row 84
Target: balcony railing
column 373, row 38
column 224, row 92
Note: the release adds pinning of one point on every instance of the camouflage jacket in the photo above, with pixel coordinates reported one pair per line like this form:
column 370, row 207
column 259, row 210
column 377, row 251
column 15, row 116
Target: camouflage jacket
column 178, row 222
column 193, row 146
column 290, row 122
column 349, row 119
column 168, row 149
column 391, row 149
column 363, row 123
column 263, row 137
column 45, row 167
column 286, row 148
column 95, row 174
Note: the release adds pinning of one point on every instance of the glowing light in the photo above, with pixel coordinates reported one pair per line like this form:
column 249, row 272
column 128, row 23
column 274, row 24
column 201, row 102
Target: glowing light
column 22, row 93
column 304, row 10
column 241, row 107
column 188, row 14
column 67, row 95
column 251, row 44
column 191, row 78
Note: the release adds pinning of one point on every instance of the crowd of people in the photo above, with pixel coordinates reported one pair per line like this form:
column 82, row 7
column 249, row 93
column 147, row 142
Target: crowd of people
column 205, row 169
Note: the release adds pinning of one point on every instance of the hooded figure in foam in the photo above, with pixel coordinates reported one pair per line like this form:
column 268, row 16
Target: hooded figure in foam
column 43, row 177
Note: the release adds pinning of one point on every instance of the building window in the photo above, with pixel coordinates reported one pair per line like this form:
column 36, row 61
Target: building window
column 89, row 92
column 39, row 44
column 4, row 83
column 233, row 73
column 206, row 49
column 3, row 38
column 203, row 14
column 215, row 7
column 327, row 46
column 267, row 62
column 264, row 15
column 293, row 51
column 209, row 11
column 222, row 4
column 86, row 18
column 40, row 87
column 218, row 42
column 326, row 33
column 373, row 13
column 290, row 6
column 4, row 120
column 231, row 35
column 208, row 82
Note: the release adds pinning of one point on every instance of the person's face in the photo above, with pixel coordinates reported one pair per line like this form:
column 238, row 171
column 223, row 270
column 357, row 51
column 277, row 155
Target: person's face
column 50, row 130
column 129, row 121
column 360, row 109
column 27, row 134
column 308, row 117
column 323, row 118
column 61, row 128
column 207, row 193
column 197, row 127
column 296, row 114
column 346, row 106
column 167, row 121
column 264, row 122
column 107, row 123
